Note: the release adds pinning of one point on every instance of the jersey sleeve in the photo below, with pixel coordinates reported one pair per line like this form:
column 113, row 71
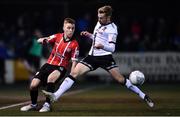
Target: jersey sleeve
column 112, row 38
column 112, row 33
column 52, row 38
column 75, row 52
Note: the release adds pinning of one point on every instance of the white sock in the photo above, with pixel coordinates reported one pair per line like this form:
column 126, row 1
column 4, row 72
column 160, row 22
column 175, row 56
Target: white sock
column 66, row 84
column 135, row 89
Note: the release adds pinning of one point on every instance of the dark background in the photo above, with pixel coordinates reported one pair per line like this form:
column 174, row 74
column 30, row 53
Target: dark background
column 156, row 20
column 143, row 25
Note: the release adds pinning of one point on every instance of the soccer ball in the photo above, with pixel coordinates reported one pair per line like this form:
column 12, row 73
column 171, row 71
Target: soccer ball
column 137, row 77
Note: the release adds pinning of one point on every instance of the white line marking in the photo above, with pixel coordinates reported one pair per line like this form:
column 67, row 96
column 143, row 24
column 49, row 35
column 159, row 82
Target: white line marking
column 14, row 105
column 67, row 94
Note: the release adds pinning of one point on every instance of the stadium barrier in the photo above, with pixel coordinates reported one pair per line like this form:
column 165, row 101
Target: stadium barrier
column 15, row 70
column 156, row 66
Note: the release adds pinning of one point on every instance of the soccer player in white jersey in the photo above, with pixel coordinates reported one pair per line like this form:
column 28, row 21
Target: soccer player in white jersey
column 100, row 55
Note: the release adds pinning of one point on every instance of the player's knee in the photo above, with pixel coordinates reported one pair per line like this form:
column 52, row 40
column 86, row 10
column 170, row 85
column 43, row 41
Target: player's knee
column 33, row 87
column 52, row 79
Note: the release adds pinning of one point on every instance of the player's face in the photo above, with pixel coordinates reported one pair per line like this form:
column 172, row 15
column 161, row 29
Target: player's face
column 69, row 29
column 102, row 18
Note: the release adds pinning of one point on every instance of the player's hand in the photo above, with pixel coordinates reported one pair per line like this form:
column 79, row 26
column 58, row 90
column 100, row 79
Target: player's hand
column 85, row 33
column 99, row 46
column 42, row 40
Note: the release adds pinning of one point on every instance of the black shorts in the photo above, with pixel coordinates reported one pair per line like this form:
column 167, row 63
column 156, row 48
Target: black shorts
column 46, row 70
column 93, row 62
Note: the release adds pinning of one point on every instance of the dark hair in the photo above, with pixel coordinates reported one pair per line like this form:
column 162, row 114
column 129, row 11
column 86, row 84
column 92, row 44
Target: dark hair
column 107, row 10
column 69, row 20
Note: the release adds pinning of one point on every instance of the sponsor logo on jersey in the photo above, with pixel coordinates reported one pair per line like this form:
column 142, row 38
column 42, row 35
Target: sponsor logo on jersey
column 59, row 55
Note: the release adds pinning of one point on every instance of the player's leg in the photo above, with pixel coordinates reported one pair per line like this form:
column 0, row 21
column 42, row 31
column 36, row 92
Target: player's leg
column 52, row 78
column 68, row 82
column 117, row 76
column 40, row 77
column 33, row 94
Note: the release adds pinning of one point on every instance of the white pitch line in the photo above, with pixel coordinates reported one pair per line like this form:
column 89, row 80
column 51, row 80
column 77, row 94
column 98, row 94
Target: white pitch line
column 14, row 105
column 67, row 94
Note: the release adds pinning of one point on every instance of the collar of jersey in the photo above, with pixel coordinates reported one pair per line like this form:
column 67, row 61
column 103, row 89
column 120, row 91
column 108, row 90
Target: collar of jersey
column 106, row 24
column 66, row 39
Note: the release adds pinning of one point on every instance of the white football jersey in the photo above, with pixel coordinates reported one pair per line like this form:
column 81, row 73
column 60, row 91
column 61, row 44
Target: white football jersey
column 103, row 34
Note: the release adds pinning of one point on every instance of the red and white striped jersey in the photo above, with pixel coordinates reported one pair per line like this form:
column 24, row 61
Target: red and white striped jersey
column 63, row 51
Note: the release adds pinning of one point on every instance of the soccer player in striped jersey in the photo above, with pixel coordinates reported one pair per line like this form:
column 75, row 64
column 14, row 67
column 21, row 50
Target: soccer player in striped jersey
column 100, row 55
column 65, row 48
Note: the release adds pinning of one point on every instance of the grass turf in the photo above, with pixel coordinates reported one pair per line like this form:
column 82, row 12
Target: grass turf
column 106, row 100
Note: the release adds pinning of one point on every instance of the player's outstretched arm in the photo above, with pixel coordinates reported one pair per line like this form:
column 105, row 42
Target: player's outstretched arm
column 41, row 40
column 109, row 48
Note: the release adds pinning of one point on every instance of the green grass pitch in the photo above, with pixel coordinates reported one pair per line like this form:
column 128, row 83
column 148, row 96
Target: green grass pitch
column 103, row 100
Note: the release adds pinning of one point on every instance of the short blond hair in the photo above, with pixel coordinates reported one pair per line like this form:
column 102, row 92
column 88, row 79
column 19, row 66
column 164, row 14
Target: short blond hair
column 69, row 20
column 107, row 10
